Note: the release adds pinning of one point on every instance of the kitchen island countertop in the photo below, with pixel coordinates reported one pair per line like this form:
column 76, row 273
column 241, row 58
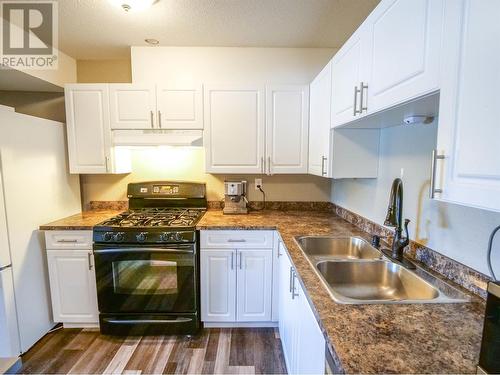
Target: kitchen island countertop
column 405, row 338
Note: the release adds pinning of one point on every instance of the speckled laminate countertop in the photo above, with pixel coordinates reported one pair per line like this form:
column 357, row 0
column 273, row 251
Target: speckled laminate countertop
column 82, row 221
column 419, row 338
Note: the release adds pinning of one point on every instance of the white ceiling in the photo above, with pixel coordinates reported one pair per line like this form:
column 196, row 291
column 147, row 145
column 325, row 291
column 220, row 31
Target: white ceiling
column 96, row 29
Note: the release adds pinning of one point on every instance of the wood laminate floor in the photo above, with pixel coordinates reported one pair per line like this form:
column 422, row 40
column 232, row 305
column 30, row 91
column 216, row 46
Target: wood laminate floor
column 213, row 351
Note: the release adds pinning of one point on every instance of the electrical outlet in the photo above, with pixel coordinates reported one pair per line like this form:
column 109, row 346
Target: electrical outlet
column 258, row 181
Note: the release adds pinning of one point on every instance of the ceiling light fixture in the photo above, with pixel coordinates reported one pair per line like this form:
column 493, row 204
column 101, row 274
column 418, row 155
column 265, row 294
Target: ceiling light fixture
column 133, row 5
column 152, row 42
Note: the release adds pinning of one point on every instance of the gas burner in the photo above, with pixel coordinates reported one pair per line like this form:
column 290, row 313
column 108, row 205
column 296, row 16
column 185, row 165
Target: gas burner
column 155, row 217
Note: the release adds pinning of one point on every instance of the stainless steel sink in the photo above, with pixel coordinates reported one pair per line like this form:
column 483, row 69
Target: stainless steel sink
column 354, row 272
column 374, row 281
column 340, row 248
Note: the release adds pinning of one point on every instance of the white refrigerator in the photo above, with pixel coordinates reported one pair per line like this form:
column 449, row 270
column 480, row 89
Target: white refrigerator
column 35, row 188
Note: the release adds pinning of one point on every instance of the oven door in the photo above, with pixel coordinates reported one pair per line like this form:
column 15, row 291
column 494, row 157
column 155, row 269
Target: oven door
column 146, row 279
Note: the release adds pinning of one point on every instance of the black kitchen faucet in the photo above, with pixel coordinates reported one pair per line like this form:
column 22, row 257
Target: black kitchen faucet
column 394, row 219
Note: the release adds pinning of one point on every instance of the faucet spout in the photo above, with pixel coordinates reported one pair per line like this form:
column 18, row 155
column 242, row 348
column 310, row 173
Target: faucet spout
column 394, row 219
column 394, row 216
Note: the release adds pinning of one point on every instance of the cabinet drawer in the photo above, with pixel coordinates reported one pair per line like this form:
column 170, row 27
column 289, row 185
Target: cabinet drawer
column 68, row 239
column 241, row 239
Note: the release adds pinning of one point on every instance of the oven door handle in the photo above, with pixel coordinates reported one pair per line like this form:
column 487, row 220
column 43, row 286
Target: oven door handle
column 147, row 321
column 186, row 250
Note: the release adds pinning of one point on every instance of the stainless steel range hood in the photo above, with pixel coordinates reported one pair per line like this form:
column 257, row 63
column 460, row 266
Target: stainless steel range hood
column 157, row 137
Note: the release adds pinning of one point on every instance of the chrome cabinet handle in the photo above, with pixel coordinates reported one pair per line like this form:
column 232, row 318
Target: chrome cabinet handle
column 291, row 275
column 241, row 261
column 269, row 164
column 279, row 254
column 106, row 161
column 237, row 240
column 323, row 160
column 361, row 98
column 294, row 276
column 232, row 260
column 159, row 119
column 432, row 189
column 355, row 108
column 262, row 164
column 67, row 241
column 89, row 257
column 152, row 121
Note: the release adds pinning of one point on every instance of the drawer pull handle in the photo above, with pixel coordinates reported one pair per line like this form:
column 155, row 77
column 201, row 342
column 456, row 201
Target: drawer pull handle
column 67, row 241
column 240, row 240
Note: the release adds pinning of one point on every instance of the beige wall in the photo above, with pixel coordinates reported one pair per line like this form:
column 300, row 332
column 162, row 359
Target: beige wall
column 98, row 71
column 49, row 105
column 188, row 164
column 228, row 64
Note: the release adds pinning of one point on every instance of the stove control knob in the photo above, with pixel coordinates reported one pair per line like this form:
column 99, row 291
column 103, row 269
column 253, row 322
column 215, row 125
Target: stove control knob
column 119, row 237
column 177, row 236
column 164, row 237
column 108, row 236
column 141, row 237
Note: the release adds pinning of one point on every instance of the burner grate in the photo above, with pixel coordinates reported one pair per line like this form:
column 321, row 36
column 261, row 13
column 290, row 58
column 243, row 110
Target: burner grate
column 155, row 217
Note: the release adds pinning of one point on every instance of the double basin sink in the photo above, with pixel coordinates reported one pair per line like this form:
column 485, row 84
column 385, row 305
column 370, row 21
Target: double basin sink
column 355, row 272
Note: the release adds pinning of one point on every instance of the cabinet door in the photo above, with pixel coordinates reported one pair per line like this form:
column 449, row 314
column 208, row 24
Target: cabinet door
column 319, row 128
column 88, row 129
column 405, row 58
column 469, row 134
column 179, row 107
column 218, row 285
column 287, row 128
column 350, row 67
column 132, row 106
column 73, row 286
column 287, row 312
column 234, row 128
column 278, row 252
column 310, row 342
column 254, row 285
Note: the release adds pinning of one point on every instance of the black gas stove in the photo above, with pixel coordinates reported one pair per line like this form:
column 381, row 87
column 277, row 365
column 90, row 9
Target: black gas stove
column 150, row 225
column 147, row 261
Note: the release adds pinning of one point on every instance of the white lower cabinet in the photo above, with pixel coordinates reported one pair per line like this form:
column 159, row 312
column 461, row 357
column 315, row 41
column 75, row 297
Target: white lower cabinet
column 73, row 286
column 218, row 286
column 236, row 285
column 72, row 277
column 301, row 337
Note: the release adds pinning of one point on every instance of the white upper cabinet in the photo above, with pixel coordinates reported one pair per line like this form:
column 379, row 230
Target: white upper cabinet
column 132, row 106
column 468, row 133
column 319, row 126
column 350, row 74
column 393, row 57
column 179, row 107
column 87, row 122
column 234, row 128
column 338, row 153
column 406, row 43
column 287, row 127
